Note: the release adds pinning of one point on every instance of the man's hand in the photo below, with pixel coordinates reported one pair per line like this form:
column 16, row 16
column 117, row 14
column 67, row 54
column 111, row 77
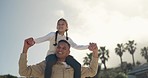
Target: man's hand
column 30, row 41
column 93, row 47
column 27, row 44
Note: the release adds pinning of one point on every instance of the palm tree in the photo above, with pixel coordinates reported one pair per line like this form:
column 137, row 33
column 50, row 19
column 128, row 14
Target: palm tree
column 119, row 51
column 131, row 48
column 144, row 53
column 104, row 55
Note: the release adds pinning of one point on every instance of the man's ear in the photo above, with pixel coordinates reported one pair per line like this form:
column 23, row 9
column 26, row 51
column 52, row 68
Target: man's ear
column 68, row 52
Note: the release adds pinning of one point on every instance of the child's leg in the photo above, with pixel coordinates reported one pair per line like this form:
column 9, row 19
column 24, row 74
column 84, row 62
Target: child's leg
column 75, row 65
column 50, row 61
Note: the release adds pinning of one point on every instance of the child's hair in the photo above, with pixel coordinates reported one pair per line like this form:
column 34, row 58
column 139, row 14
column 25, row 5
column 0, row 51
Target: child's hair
column 56, row 34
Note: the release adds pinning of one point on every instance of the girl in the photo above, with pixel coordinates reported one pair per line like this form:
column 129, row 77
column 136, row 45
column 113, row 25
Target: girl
column 54, row 37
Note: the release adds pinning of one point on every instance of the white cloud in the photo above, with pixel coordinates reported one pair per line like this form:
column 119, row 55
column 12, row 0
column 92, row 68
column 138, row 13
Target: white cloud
column 60, row 13
column 109, row 22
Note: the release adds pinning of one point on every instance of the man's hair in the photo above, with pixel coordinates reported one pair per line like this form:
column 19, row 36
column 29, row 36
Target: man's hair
column 65, row 42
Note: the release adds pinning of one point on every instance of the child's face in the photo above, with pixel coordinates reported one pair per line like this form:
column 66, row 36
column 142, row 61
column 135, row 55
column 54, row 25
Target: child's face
column 62, row 26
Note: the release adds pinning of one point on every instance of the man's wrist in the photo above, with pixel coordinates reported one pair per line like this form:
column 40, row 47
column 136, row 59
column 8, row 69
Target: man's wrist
column 24, row 50
column 95, row 55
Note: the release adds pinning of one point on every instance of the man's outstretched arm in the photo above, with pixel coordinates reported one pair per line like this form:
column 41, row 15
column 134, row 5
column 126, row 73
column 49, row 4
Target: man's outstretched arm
column 34, row 70
column 93, row 67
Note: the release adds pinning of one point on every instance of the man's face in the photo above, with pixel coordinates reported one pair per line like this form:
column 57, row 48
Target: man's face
column 62, row 50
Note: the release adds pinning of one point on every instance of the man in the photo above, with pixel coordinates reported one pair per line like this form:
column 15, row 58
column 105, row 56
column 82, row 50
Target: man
column 60, row 69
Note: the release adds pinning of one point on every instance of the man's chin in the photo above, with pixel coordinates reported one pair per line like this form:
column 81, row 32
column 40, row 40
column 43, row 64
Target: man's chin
column 59, row 55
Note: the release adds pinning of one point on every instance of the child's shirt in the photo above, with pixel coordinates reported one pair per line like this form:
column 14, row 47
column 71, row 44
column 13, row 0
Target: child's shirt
column 51, row 38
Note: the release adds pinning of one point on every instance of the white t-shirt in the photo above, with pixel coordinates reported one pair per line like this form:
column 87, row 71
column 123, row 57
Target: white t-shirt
column 51, row 38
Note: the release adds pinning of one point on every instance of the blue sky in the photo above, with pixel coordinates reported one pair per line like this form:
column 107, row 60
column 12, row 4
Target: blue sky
column 102, row 21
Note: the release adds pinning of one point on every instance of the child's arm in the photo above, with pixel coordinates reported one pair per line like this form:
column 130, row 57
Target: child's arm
column 76, row 46
column 44, row 38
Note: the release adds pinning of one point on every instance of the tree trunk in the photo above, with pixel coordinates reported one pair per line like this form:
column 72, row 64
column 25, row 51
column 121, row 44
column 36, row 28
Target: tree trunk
column 105, row 66
column 133, row 60
column 121, row 62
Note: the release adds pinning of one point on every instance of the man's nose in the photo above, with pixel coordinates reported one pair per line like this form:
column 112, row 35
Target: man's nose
column 60, row 49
